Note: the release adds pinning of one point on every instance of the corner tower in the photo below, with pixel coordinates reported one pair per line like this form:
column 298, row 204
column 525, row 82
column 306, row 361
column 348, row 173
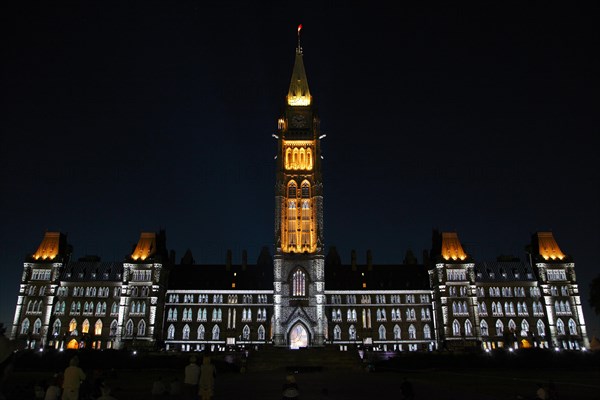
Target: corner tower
column 299, row 282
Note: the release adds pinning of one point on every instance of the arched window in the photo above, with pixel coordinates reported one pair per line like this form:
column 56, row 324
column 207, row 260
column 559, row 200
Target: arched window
column 129, row 328
column 37, row 326
column 216, row 332
column 572, row 327
column 412, row 332
column 499, row 328
column 427, row 331
column 560, row 327
column 201, row 332
column 186, row 332
column 456, row 328
column 72, row 325
column 299, row 283
column 141, row 329
column 468, row 328
column 306, row 215
column 397, row 333
column 483, row 326
column 85, row 327
column 114, row 309
column 352, row 332
column 524, row 328
column 56, row 327
column 98, row 328
column 512, row 327
column 113, row 328
column 381, row 332
column 541, row 328
column 337, row 333
column 246, row 332
column 261, row 332
column 171, row 332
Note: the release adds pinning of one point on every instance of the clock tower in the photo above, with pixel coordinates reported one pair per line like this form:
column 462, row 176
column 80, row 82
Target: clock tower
column 299, row 275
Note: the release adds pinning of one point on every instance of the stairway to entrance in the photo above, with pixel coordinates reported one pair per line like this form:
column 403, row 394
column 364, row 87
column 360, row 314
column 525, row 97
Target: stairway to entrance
column 302, row 360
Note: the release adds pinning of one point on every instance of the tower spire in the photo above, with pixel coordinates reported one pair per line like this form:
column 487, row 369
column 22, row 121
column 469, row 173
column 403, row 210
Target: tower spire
column 299, row 49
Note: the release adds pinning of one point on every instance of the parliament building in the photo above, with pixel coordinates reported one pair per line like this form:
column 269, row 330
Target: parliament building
column 300, row 295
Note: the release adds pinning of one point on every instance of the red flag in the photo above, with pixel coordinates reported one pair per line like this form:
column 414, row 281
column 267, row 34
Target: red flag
column 299, row 28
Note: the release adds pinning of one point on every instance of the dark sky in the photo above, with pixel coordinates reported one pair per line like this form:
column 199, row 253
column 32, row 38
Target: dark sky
column 125, row 117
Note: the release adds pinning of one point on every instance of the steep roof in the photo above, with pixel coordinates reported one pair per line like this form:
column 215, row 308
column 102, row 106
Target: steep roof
column 78, row 271
column 219, row 277
column 499, row 271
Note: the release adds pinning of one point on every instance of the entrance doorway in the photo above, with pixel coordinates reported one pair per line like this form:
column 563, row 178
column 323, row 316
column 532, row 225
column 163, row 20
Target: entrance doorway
column 298, row 336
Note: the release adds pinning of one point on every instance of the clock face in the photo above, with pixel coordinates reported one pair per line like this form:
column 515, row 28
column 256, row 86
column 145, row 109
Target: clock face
column 298, row 121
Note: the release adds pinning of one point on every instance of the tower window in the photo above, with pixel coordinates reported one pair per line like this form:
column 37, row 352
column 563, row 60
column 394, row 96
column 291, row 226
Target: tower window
column 299, row 284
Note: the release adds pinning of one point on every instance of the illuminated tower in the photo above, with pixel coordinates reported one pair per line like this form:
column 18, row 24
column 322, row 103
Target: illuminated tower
column 299, row 282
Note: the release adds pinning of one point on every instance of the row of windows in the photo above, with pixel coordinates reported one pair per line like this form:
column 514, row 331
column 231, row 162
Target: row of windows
column 456, row 275
column 141, row 275
column 564, row 291
column 379, row 299
column 216, row 333
column 88, row 308
column 461, row 291
column 396, row 315
column 33, row 290
column 519, row 291
column 41, row 274
column 541, row 328
column 556, row 275
column 217, row 314
column 202, row 298
column 562, row 308
column 509, row 308
column 79, row 291
column 382, row 333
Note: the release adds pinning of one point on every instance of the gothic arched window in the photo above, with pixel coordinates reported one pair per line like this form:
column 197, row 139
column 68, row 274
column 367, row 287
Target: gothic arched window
column 299, row 284
column 427, row 331
column 572, row 327
column 98, row 327
column 397, row 333
column 201, row 332
column 456, row 328
column 261, row 333
column 484, row 328
column 129, row 328
column 216, row 332
column 25, row 326
column 141, row 330
column 381, row 332
column 186, row 332
column 337, row 333
column 56, row 327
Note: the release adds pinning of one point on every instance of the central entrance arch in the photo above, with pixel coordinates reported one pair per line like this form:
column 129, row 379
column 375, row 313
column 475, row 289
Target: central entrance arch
column 298, row 336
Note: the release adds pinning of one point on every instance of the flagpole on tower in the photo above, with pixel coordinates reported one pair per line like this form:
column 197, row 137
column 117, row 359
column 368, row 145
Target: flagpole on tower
column 299, row 29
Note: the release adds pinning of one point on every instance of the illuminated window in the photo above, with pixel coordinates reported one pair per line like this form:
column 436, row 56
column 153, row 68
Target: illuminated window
column 524, row 328
column 484, row 328
column 572, row 327
column 427, row 331
column 352, row 332
column 397, row 333
column 292, row 223
column 412, row 332
column 186, row 332
column 261, row 333
column 98, row 328
column 499, row 328
column 72, row 325
column 171, row 332
column 85, row 327
column 381, row 332
column 56, row 327
column 37, row 326
column 456, row 328
column 299, row 284
column 560, row 327
column 246, row 333
column 541, row 328
column 113, row 328
column 337, row 333
column 129, row 328
column 141, row 330
column 468, row 328
column 201, row 332
column 216, row 332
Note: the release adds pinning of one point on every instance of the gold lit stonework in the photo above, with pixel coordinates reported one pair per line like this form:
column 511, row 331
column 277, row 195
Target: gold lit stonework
column 298, row 154
column 48, row 249
column 548, row 247
column 451, row 247
column 298, row 100
column 298, row 218
column 146, row 246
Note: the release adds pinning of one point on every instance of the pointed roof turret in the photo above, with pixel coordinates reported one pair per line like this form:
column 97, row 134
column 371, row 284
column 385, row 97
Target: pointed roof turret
column 299, row 94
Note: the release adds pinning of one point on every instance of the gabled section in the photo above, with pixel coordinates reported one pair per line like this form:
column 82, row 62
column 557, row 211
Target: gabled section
column 146, row 247
column 52, row 247
column 545, row 245
column 451, row 247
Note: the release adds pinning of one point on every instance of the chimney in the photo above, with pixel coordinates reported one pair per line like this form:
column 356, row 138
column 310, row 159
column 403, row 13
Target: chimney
column 228, row 261
column 353, row 259
column 369, row 260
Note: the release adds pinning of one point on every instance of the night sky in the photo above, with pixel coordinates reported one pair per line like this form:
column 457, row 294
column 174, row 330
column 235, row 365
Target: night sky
column 136, row 116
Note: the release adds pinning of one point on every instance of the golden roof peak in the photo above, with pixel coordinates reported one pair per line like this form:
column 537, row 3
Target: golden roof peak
column 548, row 248
column 451, row 247
column 146, row 246
column 48, row 249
